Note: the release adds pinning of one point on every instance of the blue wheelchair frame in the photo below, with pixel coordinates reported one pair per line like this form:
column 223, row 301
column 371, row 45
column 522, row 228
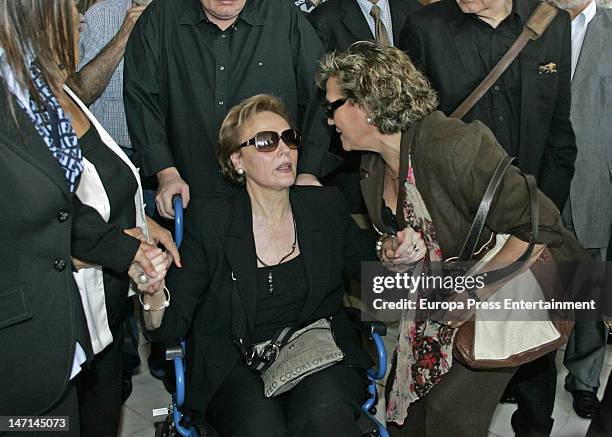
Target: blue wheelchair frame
column 374, row 331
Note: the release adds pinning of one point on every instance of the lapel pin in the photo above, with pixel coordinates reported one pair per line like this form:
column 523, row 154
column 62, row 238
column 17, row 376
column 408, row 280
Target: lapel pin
column 549, row 68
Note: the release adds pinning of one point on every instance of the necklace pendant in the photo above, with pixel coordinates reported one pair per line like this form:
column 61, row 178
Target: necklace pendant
column 270, row 283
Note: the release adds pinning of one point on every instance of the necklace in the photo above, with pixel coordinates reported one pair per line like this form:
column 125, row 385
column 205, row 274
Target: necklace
column 270, row 277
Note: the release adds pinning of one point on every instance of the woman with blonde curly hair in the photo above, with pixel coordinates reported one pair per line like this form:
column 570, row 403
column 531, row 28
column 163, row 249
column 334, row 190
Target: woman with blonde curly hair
column 432, row 171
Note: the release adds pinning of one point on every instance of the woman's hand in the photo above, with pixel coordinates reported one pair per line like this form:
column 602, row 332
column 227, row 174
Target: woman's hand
column 161, row 235
column 137, row 233
column 145, row 281
column 403, row 250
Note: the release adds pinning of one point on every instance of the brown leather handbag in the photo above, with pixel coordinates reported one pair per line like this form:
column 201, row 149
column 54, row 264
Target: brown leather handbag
column 542, row 269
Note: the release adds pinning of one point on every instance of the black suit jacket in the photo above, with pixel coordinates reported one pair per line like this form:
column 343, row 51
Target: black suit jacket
column 340, row 23
column 440, row 46
column 41, row 316
column 218, row 253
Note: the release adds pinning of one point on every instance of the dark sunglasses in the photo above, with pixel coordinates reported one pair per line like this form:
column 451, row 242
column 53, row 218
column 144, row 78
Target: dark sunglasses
column 330, row 107
column 267, row 141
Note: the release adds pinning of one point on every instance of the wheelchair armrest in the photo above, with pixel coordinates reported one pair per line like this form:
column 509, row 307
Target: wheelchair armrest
column 174, row 350
column 367, row 327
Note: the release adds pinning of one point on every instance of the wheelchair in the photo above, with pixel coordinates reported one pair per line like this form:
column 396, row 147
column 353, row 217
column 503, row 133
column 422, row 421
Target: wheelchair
column 373, row 330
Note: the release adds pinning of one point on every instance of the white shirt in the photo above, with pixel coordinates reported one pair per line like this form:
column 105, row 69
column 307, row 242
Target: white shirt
column 579, row 28
column 385, row 16
column 91, row 192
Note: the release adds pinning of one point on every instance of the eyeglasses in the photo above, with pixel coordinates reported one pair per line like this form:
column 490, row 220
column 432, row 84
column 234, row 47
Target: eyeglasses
column 267, row 141
column 330, row 107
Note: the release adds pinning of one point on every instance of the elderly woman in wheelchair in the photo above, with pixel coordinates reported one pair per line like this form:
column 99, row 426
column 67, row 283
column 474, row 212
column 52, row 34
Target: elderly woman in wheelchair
column 270, row 351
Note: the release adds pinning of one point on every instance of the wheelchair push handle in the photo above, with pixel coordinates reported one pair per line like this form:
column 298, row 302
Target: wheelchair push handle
column 177, row 203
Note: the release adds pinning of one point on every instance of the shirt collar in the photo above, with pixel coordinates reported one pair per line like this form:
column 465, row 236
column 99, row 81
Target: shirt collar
column 588, row 12
column 251, row 14
column 519, row 7
column 194, row 14
column 367, row 4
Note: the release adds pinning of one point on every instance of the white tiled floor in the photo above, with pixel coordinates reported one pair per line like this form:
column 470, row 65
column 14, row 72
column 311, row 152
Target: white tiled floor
column 137, row 418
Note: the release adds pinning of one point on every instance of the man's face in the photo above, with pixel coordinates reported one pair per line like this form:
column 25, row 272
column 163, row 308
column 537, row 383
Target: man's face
column 222, row 10
column 479, row 6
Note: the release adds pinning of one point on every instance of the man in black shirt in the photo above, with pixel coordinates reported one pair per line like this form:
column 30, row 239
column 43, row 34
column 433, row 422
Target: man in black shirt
column 189, row 61
column 499, row 109
column 456, row 43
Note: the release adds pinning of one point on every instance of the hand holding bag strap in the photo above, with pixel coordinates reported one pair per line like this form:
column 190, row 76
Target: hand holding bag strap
column 535, row 26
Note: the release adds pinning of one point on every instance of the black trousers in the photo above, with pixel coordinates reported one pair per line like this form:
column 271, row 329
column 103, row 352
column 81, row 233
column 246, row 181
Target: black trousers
column 535, row 386
column 601, row 425
column 100, row 388
column 324, row 404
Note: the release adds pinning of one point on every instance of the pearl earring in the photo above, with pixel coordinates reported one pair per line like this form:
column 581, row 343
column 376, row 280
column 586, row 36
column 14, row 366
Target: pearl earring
column 369, row 120
column 240, row 171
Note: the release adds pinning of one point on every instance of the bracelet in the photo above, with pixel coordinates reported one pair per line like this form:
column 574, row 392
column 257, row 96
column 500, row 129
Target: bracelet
column 165, row 304
column 379, row 245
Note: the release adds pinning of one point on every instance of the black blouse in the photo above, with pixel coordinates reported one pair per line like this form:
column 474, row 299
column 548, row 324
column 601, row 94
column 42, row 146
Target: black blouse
column 120, row 187
column 281, row 294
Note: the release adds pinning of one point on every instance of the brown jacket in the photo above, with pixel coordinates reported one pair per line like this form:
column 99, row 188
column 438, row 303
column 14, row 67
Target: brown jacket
column 453, row 163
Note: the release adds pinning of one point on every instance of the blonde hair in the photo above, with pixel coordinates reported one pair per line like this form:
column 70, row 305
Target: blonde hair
column 383, row 81
column 230, row 131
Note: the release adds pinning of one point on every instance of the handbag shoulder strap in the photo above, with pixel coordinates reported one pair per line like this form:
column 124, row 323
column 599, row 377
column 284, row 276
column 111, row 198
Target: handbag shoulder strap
column 534, row 27
column 256, row 361
column 471, row 241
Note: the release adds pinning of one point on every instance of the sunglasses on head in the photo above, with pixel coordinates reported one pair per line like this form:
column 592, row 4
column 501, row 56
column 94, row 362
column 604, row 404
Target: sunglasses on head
column 330, row 107
column 267, row 141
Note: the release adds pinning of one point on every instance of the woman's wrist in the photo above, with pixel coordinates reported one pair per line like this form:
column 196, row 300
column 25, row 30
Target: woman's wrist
column 380, row 245
column 157, row 301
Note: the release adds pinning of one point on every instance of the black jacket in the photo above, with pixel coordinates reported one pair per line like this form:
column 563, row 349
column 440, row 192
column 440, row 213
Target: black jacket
column 41, row 316
column 219, row 246
column 440, row 46
column 340, row 23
